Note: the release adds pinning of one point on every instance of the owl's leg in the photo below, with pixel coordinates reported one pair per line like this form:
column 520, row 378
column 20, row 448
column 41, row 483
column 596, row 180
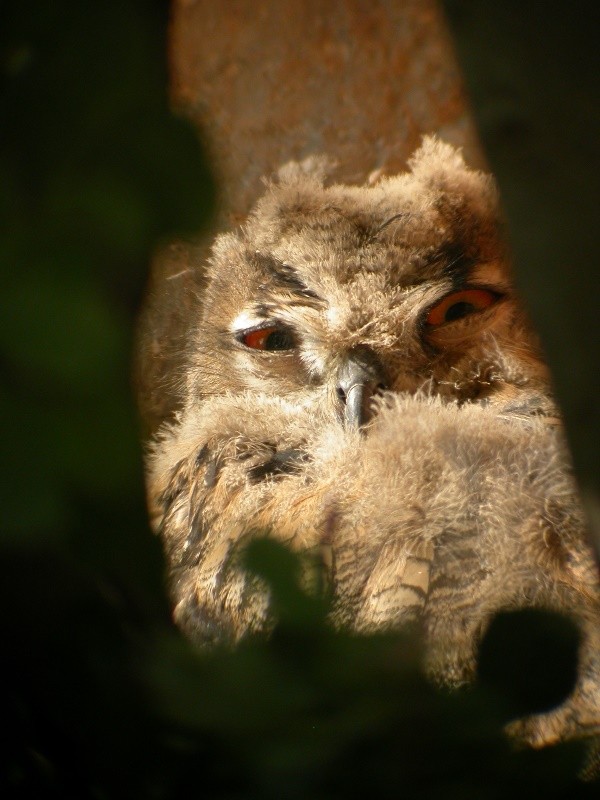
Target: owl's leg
column 456, row 614
column 579, row 715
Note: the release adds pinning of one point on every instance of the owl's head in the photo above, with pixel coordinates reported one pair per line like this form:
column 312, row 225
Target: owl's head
column 336, row 293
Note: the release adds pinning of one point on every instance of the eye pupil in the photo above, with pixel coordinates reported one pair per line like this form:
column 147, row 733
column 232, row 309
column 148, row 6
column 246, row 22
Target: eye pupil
column 458, row 310
column 267, row 339
column 460, row 304
column 278, row 340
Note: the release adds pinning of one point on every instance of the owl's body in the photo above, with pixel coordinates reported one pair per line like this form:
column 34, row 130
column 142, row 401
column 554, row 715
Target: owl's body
column 362, row 384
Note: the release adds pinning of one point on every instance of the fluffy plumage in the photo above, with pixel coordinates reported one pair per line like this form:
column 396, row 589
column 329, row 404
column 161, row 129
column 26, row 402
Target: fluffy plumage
column 362, row 383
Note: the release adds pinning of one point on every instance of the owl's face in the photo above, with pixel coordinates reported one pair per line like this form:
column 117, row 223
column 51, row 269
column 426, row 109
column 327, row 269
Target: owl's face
column 339, row 293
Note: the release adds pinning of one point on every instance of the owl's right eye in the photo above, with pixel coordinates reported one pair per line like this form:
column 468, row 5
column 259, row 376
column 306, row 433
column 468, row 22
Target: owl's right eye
column 460, row 304
column 270, row 339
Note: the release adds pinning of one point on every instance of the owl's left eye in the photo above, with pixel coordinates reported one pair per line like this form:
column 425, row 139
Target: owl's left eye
column 457, row 305
column 271, row 338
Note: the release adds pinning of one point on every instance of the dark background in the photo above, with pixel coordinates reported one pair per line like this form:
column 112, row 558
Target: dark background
column 101, row 698
column 533, row 73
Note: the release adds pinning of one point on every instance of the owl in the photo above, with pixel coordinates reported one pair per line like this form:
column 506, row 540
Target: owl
column 359, row 381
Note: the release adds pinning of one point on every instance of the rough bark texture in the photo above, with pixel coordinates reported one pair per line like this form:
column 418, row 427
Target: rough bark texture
column 359, row 80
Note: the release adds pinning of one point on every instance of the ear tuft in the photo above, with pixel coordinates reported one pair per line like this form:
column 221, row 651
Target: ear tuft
column 317, row 167
column 440, row 167
column 435, row 156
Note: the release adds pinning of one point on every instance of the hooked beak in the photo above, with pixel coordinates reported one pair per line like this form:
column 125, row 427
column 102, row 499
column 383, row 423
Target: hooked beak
column 360, row 378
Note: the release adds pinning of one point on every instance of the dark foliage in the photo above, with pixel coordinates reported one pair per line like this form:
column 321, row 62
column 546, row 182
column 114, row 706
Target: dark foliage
column 101, row 704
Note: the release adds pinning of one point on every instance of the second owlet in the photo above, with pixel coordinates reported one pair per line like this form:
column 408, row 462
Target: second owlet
column 360, row 378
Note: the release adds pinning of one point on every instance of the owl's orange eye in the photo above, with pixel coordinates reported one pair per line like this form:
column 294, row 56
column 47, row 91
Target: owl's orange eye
column 460, row 304
column 272, row 338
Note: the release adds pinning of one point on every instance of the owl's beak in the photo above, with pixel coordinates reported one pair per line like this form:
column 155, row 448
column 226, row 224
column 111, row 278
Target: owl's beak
column 360, row 378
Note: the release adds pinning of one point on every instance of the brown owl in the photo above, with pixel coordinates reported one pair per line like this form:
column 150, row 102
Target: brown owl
column 360, row 381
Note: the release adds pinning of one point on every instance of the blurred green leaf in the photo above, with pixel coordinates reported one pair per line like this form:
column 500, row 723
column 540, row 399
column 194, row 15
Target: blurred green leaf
column 95, row 171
